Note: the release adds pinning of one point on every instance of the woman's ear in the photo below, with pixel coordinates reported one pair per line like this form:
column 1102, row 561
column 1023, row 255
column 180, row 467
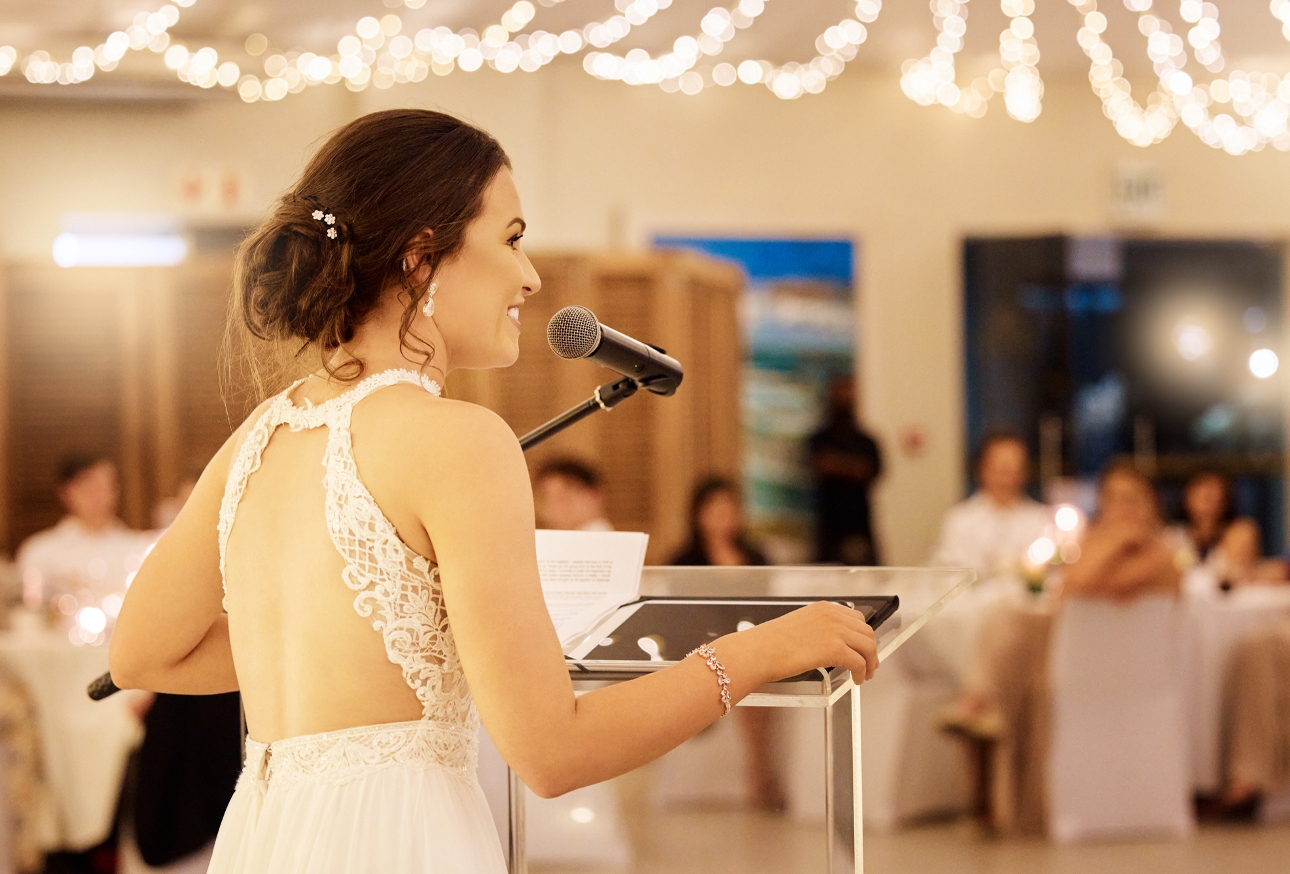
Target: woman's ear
column 415, row 264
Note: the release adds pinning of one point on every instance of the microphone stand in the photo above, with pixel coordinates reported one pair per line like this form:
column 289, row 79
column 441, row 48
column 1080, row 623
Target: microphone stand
column 606, row 397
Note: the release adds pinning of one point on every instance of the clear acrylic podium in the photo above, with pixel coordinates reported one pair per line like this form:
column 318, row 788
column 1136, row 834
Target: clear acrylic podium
column 923, row 592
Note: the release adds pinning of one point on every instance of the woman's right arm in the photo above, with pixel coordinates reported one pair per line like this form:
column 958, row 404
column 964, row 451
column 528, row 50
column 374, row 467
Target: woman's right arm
column 477, row 509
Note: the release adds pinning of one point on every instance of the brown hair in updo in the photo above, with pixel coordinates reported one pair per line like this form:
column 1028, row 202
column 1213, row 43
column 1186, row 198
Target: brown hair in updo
column 384, row 178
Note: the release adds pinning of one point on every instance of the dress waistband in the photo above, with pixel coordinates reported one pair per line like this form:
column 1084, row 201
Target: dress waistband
column 343, row 755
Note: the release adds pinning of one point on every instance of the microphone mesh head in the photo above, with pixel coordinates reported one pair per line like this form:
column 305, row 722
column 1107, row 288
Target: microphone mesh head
column 573, row 332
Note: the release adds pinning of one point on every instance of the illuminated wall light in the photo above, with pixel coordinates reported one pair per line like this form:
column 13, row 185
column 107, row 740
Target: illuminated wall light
column 1263, row 363
column 119, row 250
column 1192, row 341
column 582, row 815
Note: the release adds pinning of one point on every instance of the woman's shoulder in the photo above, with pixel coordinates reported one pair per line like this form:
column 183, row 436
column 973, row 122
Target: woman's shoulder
column 439, row 419
column 443, row 438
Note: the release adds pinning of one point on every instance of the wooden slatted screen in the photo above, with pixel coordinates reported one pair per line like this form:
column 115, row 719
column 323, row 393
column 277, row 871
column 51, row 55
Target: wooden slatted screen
column 126, row 361
column 651, row 450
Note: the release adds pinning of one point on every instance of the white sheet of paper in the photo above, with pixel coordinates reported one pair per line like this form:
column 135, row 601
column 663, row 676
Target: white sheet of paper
column 586, row 575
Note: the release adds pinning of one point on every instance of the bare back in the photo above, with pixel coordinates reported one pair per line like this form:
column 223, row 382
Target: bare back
column 334, row 621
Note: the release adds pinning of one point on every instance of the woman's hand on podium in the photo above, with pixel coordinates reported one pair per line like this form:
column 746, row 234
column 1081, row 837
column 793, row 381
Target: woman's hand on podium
column 821, row 635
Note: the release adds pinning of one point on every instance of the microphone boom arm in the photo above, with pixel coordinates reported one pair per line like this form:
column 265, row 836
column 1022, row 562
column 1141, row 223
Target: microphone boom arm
column 606, row 397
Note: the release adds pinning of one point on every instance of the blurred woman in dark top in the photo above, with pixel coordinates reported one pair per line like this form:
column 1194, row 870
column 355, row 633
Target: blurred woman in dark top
column 1213, row 537
column 717, row 537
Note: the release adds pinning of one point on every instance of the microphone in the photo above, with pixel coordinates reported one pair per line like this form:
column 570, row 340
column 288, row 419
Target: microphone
column 574, row 333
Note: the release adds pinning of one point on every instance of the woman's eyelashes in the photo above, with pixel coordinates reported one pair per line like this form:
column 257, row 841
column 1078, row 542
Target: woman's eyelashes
column 515, row 240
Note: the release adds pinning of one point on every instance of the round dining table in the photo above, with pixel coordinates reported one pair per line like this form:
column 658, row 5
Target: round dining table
column 84, row 743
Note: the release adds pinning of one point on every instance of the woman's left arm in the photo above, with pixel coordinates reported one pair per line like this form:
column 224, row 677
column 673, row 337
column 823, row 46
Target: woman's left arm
column 172, row 634
column 1148, row 570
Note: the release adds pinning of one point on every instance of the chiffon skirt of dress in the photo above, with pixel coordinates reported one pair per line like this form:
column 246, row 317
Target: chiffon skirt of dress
column 400, row 798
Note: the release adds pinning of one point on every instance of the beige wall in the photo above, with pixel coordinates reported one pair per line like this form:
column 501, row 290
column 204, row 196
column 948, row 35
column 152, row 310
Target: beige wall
column 605, row 164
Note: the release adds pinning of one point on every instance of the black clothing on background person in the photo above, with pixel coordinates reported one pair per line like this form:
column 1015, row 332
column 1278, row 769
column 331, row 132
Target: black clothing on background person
column 188, row 765
column 846, row 461
column 694, row 555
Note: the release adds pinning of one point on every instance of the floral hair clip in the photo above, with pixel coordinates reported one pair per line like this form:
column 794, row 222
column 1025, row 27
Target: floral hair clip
column 329, row 220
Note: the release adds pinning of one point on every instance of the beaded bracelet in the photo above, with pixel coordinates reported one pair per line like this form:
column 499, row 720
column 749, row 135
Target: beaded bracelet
column 709, row 656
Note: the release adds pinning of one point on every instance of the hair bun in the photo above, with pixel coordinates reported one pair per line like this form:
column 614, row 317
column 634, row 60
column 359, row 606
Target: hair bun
column 297, row 267
column 318, row 265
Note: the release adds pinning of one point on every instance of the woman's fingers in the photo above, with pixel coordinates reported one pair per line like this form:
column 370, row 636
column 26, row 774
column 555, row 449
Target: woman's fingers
column 857, row 653
column 867, row 648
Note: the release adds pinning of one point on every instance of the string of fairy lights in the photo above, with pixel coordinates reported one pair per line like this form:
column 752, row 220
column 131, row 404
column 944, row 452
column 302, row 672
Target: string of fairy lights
column 932, row 79
column 1239, row 112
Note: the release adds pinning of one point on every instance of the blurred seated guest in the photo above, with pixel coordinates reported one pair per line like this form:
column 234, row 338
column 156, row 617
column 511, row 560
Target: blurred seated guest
column 717, row 535
column 167, row 509
column 845, row 462
column 718, row 538
column 1216, row 540
column 1256, row 731
column 991, row 530
column 1003, row 712
column 90, row 550
column 1125, row 553
column 568, row 496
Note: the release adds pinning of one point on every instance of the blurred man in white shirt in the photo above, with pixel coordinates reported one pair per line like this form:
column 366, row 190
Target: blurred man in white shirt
column 567, row 496
column 90, row 554
column 991, row 531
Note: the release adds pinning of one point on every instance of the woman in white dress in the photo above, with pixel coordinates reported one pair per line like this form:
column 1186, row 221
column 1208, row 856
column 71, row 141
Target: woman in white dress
column 366, row 575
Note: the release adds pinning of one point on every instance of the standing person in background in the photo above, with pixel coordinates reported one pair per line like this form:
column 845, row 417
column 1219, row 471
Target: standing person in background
column 718, row 538
column 90, row 550
column 845, row 462
column 568, row 496
column 991, row 530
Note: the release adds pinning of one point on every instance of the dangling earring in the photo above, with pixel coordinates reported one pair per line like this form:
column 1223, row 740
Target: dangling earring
column 428, row 306
column 405, row 265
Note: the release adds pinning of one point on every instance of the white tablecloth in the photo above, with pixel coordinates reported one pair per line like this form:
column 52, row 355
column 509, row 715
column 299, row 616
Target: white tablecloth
column 932, row 667
column 85, row 743
column 1218, row 622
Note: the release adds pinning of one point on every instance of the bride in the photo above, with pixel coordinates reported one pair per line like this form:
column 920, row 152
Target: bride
column 358, row 559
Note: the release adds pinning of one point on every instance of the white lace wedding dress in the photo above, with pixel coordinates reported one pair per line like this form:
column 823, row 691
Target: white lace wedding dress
column 398, row 798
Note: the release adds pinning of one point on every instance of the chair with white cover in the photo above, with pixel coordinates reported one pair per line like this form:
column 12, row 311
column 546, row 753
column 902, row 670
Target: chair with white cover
column 1118, row 764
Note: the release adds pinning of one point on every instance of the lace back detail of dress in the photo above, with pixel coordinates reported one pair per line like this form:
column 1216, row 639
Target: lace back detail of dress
column 397, row 589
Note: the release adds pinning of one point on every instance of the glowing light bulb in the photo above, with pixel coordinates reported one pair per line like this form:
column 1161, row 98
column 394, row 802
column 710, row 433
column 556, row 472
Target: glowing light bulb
column 1192, row 341
column 1041, row 551
column 1264, row 363
column 1067, row 518
column 92, row 619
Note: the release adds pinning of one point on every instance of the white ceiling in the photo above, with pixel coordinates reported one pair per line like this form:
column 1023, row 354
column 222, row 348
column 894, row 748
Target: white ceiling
column 786, row 31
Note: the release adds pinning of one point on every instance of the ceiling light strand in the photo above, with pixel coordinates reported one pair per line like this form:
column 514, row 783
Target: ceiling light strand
column 149, row 30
